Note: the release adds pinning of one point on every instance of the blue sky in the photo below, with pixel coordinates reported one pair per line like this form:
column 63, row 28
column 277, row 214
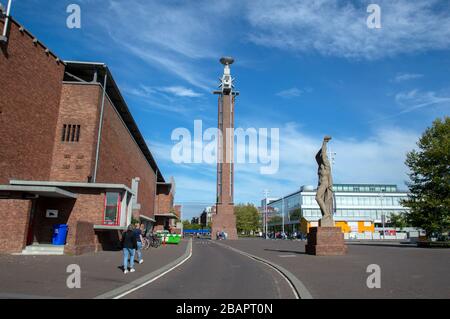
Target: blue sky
column 309, row 68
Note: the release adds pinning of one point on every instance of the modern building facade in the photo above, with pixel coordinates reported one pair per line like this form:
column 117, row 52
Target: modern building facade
column 359, row 208
column 71, row 153
column 206, row 216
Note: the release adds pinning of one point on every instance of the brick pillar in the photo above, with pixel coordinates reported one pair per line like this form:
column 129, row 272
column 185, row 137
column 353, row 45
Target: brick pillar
column 224, row 219
column 15, row 219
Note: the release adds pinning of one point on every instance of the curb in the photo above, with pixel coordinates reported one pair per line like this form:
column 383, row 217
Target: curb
column 297, row 285
column 147, row 279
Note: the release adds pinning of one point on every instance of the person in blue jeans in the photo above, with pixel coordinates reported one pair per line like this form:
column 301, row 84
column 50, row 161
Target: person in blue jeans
column 129, row 245
column 139, row 239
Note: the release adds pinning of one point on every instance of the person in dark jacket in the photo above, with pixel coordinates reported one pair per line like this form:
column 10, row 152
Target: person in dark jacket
column 138, row 234
column 129, row 245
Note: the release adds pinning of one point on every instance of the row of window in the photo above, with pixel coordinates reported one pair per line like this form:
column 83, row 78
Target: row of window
column 71, row 133
column 293, row 200
column 365, row 188
column 366, row 214
column 360, row 200
column 289, row 203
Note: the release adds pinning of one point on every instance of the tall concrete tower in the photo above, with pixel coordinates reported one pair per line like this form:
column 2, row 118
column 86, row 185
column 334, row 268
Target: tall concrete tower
column 224, row 219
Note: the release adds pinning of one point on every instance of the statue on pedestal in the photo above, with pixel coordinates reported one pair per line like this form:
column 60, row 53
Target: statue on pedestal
column 325, row 240
column 324, row 196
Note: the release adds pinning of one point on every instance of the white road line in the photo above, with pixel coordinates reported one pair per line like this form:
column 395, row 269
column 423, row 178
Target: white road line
column 157, row 277
column 294, row 290
column 286, row 256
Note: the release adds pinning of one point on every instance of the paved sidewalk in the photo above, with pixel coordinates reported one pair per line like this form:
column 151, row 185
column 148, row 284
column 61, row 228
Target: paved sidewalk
column 406, row 272
column 45, row 276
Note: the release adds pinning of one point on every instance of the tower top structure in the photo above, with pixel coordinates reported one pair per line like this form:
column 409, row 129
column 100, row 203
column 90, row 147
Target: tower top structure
column 226, row 82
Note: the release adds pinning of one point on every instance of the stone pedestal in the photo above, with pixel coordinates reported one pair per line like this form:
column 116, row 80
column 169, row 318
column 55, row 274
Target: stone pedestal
column 326, row 241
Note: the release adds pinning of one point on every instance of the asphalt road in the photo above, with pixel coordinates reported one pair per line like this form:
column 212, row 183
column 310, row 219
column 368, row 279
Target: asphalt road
column 406, row 272
column 24, row 277
column 215, row 272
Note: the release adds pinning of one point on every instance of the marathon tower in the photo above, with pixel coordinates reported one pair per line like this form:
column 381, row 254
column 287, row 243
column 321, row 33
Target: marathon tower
column 224, row 220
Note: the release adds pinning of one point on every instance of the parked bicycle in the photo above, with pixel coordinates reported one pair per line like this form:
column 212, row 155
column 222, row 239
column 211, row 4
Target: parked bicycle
column 155, row 241
column 151, row 240
column 145, row 243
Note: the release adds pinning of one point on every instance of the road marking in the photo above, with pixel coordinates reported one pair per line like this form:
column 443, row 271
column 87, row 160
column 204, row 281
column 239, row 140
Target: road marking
column 286, row 256
column 298, row 288
column 137, row 284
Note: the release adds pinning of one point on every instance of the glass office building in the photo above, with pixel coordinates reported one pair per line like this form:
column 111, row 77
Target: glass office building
column 359, row 208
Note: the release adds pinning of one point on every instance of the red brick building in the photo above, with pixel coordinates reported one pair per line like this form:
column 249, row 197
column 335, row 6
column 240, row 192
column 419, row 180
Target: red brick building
column 71, row 153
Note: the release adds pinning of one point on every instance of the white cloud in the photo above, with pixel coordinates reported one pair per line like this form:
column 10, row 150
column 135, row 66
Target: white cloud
column 290, row 93
column 180, row 91
column 401, row 77
column 375, row 159
column 339, row 28
column 148, row 91
column 415, row 99
column 173, row 36
column 378, row 158
column 180, row 37
column 169, row 99
column 171, row 63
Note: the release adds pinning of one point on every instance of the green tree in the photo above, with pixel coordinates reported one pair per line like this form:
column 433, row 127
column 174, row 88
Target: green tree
column 247, row 218
column 429, row 200
column 296, row 214
column 187, row 225
column 276, row 220
column 399, row 220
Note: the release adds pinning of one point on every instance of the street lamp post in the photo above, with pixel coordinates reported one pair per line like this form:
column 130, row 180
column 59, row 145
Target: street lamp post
column 266, row 226
column 282, row 216
column 382, row 215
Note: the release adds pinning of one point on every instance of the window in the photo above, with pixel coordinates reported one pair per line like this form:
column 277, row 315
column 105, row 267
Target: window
column 70, row 133
column 112, row 209
column 388, row 201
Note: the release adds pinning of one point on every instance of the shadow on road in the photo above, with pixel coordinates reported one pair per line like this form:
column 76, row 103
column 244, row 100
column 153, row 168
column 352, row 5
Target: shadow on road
column 405, row 245
column 286, row 251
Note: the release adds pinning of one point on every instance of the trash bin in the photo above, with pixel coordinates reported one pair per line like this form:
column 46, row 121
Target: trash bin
column 59, row 234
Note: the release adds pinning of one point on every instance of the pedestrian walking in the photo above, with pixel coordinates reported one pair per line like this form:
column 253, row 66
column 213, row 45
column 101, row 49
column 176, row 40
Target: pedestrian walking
column 129, row 246
column 139, row 240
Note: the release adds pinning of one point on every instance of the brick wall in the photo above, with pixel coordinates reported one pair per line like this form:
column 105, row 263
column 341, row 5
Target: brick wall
column 164, row 203
column 121, row 160
column 14, row 216
column 74, row 161
column 30, row 85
